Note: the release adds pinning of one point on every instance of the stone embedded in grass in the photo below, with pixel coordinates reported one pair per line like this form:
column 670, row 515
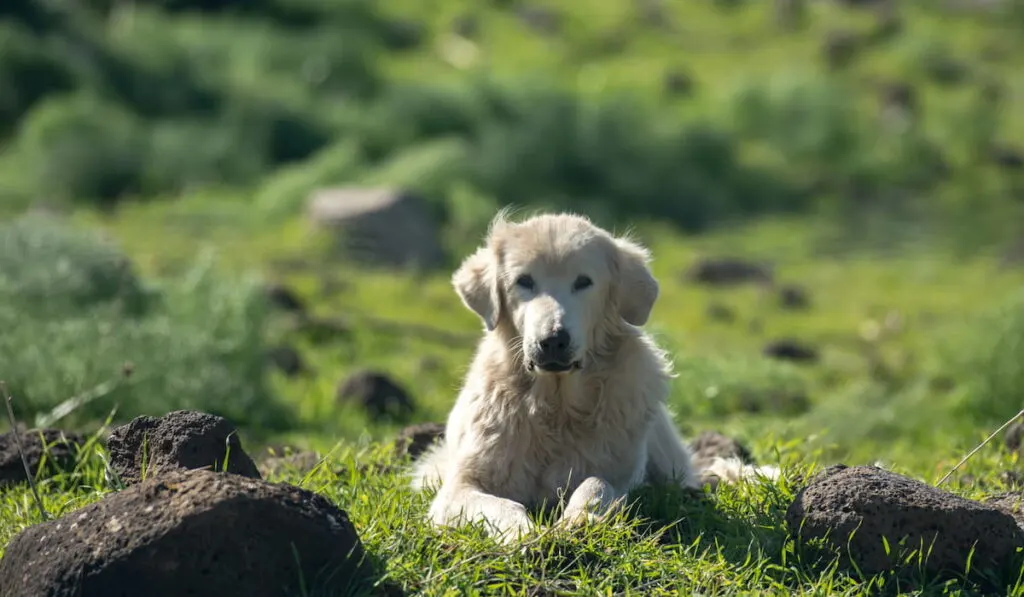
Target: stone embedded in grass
column 709, row 445
column 788, row 349
column 729, row 271
column 284, row 298
column 300, row 462
column 415, row 439
column 46, row 450
column 379, row 226
column 1011, row 502
column 181, row 439
column 874, row 519
column 285, row 359
column 794, row 297
column 191, row 533
column 377, row 393
column 840, row 48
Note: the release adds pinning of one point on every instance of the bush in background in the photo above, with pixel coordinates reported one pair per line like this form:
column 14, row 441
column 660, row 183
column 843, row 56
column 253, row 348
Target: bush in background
column 191, row 342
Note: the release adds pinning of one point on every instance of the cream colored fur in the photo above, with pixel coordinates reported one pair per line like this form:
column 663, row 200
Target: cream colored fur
column 517, row 437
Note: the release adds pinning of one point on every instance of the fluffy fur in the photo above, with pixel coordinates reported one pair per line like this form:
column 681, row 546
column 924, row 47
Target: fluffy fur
column 521, row 435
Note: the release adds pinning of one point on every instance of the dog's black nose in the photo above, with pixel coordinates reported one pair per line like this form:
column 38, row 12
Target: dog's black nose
column 554, row 350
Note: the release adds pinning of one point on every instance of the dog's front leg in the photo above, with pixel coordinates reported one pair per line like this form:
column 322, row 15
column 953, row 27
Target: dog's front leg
column 592, row 500
column 460, row 502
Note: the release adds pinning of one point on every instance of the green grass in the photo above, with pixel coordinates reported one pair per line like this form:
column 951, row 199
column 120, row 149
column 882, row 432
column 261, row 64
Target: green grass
column 918, row 326
column 727, row 543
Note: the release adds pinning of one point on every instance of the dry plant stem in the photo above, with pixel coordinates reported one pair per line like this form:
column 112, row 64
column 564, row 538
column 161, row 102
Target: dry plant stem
column 21, row 451
column 980, row 446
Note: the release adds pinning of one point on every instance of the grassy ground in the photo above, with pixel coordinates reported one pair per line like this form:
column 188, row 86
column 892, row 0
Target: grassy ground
column 863, row 403
column 919, row 339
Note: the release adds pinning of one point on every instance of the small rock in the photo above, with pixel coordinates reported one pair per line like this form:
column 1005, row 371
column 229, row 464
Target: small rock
column 321, row 331
column 58, row 448
column 728, row 271
column 415, row 439
column 790, row 14
column 379, row 226
column 720, row 312
column 377, row 393
column 787, row 349
column 298, row 462
column 1013, row 435
column 905, row 512
column 1009, row 502
column 284, row 298
column 794, row 297
column 539, row 19
column 839, row 49
column 710, row 445
column 286, row 359
column 467, row 26
column 1008, row 157
column 180, row 439
column 403, row 34
column 194, row 533
column 678, row 84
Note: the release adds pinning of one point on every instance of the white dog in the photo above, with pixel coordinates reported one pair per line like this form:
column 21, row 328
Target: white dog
column 565, row 395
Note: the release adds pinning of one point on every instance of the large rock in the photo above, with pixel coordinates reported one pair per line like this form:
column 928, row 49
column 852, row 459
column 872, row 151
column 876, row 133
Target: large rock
column 379, row 226
column 46, row 450
column 378, row 394
column 195, row 533
column 181, row 439
column 907, row 513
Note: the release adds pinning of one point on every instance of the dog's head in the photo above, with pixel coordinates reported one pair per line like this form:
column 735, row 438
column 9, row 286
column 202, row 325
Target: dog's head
column 556, row 286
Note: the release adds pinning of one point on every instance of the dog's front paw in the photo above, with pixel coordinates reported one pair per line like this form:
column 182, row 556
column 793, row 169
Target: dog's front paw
column 512, row 526
column 578, row 517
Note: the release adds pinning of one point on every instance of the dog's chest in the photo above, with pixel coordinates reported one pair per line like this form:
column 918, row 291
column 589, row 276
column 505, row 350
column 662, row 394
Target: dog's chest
column 550, row 452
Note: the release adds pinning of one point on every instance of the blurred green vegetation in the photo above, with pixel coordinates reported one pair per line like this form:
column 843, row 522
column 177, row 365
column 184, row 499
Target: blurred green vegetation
column 871, row 150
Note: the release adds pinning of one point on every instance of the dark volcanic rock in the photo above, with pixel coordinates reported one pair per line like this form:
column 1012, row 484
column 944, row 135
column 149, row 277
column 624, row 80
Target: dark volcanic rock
column 879, row 504
column 377, row 393
column 711, row 444
column 298, row 462
column 1010, row 502
column 284, row 298
column 787, row 349
column 54, row 449
column 728, row 271
column 794, row 297
column 181, row 439
column 195, row 533
column 415, row 439
column 286, row 359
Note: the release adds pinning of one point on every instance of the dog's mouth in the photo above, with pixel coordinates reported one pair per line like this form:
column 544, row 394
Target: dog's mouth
column 554, row 366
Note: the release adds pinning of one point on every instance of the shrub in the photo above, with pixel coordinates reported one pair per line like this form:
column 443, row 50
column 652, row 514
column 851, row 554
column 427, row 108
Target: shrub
column 531, row 143
column 29, row 71
column 198, row 344
column 81, row 148
column 48, row 269
column 984, row 356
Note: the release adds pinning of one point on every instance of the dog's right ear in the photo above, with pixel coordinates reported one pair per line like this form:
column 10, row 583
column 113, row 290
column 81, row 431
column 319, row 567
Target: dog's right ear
column 476, row 282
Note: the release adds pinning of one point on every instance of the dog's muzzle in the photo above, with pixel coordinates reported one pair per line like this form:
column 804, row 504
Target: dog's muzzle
column 554, row 354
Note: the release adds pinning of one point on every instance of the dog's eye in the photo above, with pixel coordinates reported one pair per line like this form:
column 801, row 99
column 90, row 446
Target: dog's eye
column 582, row 282
column 525, row 282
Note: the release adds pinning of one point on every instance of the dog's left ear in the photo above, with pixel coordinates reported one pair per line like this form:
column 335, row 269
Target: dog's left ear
column 635, row 286
column 476, row 283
